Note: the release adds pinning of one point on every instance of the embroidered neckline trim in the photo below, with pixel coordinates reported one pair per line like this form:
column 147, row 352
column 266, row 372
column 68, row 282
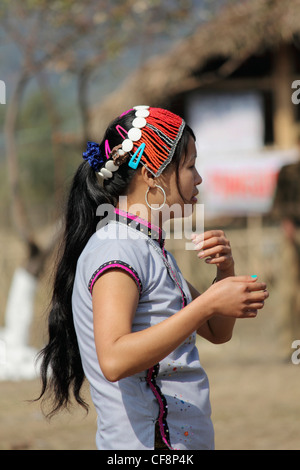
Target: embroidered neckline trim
column 142, row 225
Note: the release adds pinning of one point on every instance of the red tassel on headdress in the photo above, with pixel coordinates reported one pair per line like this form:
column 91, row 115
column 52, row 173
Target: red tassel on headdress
column 160, row 136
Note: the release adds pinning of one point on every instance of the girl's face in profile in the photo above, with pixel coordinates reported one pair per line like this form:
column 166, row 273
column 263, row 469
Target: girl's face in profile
column 185, row 191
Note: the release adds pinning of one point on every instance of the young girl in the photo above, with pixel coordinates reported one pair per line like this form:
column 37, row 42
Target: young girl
column 122, row 314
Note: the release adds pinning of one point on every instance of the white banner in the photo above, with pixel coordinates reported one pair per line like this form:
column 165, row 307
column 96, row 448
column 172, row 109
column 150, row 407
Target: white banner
column 226, row 122
column 241, row 186
column 239, row 176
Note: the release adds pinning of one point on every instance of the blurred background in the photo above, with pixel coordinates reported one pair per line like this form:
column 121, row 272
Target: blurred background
column 232, row 70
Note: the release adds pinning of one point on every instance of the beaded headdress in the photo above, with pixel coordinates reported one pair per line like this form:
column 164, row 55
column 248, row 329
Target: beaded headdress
column 151, row 141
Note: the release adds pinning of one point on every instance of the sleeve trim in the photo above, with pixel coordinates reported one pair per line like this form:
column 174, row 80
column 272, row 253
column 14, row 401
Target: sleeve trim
column 115, row 264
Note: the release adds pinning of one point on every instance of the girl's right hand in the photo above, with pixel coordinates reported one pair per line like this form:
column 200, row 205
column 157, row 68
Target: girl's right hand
column 238, row 297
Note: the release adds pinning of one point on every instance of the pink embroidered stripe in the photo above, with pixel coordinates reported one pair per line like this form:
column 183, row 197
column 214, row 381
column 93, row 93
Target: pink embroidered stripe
column 111, row 265
column 163, row 427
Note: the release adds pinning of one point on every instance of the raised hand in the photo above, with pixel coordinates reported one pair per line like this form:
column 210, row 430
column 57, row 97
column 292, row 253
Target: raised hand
column 214, row 247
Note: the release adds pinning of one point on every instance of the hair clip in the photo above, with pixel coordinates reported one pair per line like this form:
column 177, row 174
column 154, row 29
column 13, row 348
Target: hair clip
column 119, row 154
column 133, row 163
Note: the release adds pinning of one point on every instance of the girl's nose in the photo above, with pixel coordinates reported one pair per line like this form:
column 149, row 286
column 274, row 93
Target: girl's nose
column 198, row 179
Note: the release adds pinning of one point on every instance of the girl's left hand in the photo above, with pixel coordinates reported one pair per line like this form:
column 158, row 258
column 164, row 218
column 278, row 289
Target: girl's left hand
column 214, row 248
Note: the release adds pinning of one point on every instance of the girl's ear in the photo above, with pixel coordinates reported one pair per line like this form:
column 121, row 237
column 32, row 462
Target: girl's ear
column 148, row 177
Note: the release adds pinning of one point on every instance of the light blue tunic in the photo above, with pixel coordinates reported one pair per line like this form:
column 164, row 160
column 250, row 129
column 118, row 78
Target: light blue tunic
column 174, row 392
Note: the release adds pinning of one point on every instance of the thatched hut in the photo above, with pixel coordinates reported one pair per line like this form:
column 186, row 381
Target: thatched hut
column 249, row 45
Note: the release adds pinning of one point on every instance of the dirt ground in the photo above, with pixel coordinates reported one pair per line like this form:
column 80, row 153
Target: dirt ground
column 254, row 395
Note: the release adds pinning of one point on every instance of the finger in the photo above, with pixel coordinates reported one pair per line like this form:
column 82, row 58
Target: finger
column 251, row 283
column 255, row 306
column 212, row 243
column 210, row 238
column 245, row 278
column 198, row 238
column 217, row 250
column 256, row 286
column 217, row 260
column 250, row 313
column 259, row 296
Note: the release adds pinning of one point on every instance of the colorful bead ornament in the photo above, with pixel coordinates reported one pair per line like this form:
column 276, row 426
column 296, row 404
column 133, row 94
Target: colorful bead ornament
column 133, row 135
column 151, row 141
column 111, row 166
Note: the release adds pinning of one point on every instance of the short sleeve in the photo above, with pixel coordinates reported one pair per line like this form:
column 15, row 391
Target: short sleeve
column 113, row 264
column 127, row 255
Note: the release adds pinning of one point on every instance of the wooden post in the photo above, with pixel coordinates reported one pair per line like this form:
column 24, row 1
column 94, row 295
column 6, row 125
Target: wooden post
column 254, row 244
column 284, row 120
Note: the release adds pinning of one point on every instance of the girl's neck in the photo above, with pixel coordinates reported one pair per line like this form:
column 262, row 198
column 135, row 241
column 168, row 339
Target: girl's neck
column 140, row 210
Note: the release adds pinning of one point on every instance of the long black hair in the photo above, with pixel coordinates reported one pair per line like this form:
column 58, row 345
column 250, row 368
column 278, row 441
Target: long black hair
column 62, row 374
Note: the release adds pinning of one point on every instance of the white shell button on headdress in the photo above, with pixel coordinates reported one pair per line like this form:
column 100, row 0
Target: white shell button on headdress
column 134, row 134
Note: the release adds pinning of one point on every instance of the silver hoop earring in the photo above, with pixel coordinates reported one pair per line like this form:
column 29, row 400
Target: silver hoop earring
column 162, row 205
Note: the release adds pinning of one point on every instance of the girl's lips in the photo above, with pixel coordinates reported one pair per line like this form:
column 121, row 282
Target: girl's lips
column 194, row 198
